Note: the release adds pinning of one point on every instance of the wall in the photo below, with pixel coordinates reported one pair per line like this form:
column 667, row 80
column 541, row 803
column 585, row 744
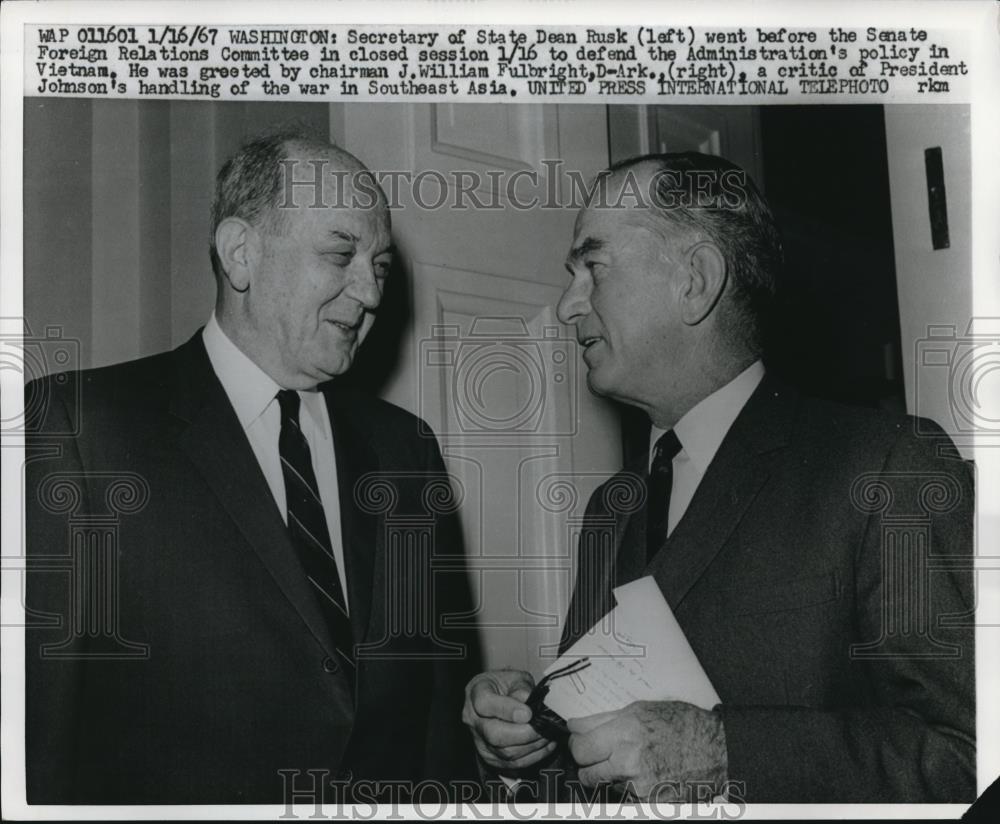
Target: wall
column 57, row 218
column 935, row 286
column 117, row 198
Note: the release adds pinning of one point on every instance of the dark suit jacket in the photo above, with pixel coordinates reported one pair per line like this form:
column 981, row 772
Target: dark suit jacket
column 822, row 574
column 202, row 666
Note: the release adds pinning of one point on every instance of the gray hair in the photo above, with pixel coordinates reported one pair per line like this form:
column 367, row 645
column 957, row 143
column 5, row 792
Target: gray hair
column 710, row 195
column 250, row 183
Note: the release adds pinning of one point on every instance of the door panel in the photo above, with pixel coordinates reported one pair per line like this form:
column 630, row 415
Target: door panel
column 496, row 137
column 732, row 132
column 483, row 358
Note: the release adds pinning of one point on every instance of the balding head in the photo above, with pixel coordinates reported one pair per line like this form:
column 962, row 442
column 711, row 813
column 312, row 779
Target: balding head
column 254, row 182
column 708, row 197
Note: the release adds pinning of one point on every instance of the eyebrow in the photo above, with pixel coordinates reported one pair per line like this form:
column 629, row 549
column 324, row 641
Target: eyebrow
column 590, row 244
column 343, row 234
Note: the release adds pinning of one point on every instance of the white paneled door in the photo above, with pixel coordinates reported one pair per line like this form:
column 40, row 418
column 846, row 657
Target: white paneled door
column 482, row 225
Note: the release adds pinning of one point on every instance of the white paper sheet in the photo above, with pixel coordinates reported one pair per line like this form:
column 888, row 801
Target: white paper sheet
column 638, row 654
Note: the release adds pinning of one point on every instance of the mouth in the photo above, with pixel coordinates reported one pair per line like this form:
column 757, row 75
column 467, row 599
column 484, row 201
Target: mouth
column 589, row 345
column 345, row 327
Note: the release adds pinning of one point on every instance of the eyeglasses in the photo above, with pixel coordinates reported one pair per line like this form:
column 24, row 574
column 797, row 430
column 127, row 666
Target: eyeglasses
column 545, row 721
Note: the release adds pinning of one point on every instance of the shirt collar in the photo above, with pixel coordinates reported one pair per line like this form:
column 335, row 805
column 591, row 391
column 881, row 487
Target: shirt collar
column 315, row 405
column 249, row 388
column 703, row 427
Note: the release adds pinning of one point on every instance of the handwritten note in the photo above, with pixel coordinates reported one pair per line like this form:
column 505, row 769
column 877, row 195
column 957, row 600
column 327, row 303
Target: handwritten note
column 637, row 653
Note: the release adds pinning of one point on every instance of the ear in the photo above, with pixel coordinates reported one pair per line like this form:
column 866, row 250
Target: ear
column 706, row 282
column 236, row 245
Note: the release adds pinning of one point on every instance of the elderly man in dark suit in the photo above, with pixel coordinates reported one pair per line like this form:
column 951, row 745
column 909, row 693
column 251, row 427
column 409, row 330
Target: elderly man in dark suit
column 265, row 620
column 816, row 556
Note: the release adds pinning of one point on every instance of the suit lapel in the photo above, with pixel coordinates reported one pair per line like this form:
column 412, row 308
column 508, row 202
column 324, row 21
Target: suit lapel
column 215, row 443
column 733, row 479
column 599, row 572
column 729, row 486
column 359, row 528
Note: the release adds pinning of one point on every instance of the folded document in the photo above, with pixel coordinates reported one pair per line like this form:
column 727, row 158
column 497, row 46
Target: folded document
column 636, row 653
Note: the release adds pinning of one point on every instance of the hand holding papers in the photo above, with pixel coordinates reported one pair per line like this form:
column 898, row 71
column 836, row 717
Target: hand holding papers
column 637, row 653
column 497, row 716
column 670, row 746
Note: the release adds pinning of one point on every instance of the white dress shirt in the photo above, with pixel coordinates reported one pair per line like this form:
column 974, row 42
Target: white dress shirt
column 700, row 433
column 252, row 392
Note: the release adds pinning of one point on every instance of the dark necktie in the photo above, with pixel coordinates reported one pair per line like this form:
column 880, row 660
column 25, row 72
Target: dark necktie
column 661, row 479
column 307, row 525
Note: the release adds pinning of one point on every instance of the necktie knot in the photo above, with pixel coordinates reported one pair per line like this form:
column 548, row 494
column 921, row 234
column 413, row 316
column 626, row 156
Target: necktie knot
column 288, row 400
column 661, row 478
column 667, row 447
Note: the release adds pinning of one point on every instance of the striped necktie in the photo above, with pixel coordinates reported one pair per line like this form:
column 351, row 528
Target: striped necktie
column 308, row 528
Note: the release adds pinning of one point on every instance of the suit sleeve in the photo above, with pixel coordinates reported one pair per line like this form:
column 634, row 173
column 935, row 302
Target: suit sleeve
column 52, row 690
column 914, row 741
column 449, row 751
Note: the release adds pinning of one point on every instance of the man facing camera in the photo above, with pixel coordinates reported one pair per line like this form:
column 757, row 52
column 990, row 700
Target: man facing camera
column 791, row 537
column 256, row 627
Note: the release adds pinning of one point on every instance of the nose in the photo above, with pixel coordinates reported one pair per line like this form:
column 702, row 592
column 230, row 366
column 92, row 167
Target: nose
column 364, row 286
column 575, row 301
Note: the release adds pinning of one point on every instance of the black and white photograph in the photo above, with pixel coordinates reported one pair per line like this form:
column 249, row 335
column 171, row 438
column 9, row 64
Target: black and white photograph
column 472, row 444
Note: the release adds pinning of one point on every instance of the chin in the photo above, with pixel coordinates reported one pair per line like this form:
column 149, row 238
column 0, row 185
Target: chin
column 332, row 362
column 598, row 383
column 333, row 370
